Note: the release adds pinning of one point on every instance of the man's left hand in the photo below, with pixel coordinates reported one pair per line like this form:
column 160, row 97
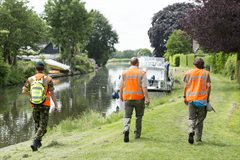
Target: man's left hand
column 185, row 101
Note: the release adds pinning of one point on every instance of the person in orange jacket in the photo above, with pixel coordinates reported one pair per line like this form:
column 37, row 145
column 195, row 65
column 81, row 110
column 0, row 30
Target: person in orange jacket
column 133, row 91
column 40, row 111
column 196, row 95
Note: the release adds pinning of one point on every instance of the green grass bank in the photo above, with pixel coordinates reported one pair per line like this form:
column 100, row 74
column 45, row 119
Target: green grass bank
column 164, row 133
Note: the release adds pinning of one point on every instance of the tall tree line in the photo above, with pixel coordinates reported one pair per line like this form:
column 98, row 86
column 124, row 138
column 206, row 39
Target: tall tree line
column 213, row 23
column 66, row 23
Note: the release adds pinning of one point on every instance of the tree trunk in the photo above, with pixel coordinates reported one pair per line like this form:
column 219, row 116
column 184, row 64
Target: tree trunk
column 238, row 67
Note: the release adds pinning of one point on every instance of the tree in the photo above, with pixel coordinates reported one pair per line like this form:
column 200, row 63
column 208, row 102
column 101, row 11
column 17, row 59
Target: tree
column 70, row 25
column 22, row 28
column 179, row 42
column 215, row 25
column 102, row 39
column 144, row 52
column 164, row 23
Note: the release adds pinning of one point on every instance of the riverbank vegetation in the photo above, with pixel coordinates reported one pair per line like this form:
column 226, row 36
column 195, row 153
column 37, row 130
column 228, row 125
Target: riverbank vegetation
column 164, row 131
column 12, row 75
column 84, row 33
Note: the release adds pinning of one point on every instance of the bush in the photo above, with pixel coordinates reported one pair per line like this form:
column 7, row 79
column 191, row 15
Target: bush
column 207, row 62
column 82, row 64
column 216, row 61
column 4, row 72
column 15, row 76
column 20, row 72
column 183, row 60
column 176, row 60
column 190, row 60
column 230, row 67
column 27, row 67
column 221, row 59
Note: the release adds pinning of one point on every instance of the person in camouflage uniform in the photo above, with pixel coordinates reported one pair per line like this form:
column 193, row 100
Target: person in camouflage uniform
column 41, row 111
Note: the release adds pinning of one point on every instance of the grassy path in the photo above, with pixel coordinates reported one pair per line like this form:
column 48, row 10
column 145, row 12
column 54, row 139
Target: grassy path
column 164, row 133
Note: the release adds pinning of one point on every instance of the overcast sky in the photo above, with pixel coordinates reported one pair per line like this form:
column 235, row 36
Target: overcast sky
column 130, row 18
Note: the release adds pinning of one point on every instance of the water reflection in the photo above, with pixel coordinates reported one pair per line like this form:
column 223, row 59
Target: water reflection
column 74, row 96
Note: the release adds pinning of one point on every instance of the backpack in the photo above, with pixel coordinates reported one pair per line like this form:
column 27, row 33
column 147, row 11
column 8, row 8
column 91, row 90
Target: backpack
column 37, row 91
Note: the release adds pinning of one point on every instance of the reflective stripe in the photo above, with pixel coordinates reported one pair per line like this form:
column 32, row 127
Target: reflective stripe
column 132, row 88
column 132, row 77
column 196, row 93
column 135, row 93
column 139, row 81
column 139, row 77
column 197, row 78
column 37, row 88
column 37, row 97
column 204, row 81
column 189, row 84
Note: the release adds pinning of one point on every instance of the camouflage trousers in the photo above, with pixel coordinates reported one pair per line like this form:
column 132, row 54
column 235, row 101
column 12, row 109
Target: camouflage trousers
column 40, row 116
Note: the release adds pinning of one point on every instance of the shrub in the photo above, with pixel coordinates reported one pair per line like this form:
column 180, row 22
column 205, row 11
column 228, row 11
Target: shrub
column 176, row 60
column 4, row 72
column 190, row 60
column 183, row 60
column 20, row 72
column 27, row 67
column 221, row 59
column 82, row 64
column 230, row 67
column 207, row 62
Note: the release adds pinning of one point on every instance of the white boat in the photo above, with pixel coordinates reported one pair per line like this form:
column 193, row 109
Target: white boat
column 156, row 71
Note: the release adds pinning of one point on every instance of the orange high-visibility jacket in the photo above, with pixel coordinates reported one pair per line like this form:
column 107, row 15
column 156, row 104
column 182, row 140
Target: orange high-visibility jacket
column 132, row 84
column 196, row 85
column 38, row 76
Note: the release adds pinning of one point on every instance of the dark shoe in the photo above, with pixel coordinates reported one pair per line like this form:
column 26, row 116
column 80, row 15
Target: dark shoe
column 35, row 145
column 39, row 144
column 137, row 135
column 191, row 138
column 126, row 136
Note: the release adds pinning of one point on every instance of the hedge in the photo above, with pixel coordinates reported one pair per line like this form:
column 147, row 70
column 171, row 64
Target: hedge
column 183, row 60
column 230, row 67
column 215, row 62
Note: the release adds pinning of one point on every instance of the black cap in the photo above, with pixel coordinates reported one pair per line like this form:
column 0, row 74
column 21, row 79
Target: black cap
column 40, row 64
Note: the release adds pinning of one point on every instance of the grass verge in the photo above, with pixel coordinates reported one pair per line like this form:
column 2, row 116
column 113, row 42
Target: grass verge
column 164, row 133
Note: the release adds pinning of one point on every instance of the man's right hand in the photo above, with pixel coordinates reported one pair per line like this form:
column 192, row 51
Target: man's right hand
column 147, row 102
column 56, row 109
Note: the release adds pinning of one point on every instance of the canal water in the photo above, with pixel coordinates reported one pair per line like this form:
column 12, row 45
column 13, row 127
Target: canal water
column 74, row 95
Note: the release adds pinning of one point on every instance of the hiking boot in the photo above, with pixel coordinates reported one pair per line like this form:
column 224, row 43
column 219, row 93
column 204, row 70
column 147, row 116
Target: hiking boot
column 35, row 145
column 126, row 136
column 199, row 140
column 191, row 138
column 137, row 135
column 39, row 144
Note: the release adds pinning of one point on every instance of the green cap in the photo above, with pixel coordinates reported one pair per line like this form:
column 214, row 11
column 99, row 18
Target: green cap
column 40, row 64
